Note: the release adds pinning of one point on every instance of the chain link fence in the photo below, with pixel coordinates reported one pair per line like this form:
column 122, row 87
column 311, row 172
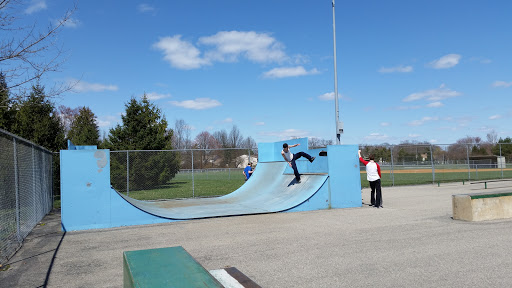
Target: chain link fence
column 25, row 190
column 423, row 164
column 172, row 174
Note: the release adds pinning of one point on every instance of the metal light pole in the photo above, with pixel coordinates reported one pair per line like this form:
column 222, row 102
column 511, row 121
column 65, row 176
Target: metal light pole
column 339, row 124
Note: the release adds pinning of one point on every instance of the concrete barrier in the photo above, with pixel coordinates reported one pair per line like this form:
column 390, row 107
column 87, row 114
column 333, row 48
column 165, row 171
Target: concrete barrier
column 482, row 206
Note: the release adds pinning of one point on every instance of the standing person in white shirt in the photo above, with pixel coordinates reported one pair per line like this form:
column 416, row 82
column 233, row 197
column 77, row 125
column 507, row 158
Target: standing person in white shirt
column 373, row 175
column 290, row 158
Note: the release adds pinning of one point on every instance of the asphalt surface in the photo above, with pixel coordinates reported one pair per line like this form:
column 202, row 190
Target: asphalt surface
column 411, row 242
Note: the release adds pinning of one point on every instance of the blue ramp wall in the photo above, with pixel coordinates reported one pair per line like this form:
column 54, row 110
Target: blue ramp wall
column 343, row 187
column 344, row 176
column 87, row 200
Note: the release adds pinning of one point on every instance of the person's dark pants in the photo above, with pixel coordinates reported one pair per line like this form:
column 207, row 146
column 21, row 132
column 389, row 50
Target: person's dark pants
column 294, row 166
column 375, row 186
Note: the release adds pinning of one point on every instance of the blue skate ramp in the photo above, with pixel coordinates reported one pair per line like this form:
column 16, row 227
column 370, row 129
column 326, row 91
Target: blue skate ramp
column 268, row 190
column 89, row 201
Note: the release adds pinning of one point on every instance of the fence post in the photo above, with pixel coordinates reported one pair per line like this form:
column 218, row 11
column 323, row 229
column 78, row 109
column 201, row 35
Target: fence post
column 392, row 168
column 505, row 162
column 17, row 188
column 34, row 182
column 127, row 173
column 433, row 168
column 193, row 188
column 469, row 166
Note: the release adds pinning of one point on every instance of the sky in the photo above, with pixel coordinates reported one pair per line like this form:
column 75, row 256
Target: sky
column 433, row 71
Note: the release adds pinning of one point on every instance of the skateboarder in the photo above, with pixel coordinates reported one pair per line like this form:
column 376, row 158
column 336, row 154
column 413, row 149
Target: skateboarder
column 290, row 158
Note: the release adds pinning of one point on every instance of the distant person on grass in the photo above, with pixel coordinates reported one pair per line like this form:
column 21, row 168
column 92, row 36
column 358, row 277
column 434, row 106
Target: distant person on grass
column 248, row 171
column 290, row 158
column 373, row 176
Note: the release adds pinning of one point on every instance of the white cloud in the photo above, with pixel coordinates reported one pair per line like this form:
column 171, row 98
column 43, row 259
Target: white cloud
column 446, row 61
column 435, row 104
column 83, row 86
column 327, row 96
column 157, row 96
column 481, row 60
column 35, row 6
column 284, row 72
column 227, row 120
column 414, row 135
column 330, row 97
column 494, row 117
column 433, row 94
column 287, row 134
column 107, row 121
column 385, row 124
column 259, row 123
column 257, row 47
column 376, row 137
column 180, row 54
column 403, row 108
column 423, row 121
column 225, row 46
column 501, row 84
column 197, row 104
column 401, row 69
column 144, row 7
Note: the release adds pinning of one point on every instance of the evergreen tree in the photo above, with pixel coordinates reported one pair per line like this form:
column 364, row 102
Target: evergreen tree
column 506, row 147
column 143, row 128
column 7, row 110
column 83, row 129
column 37, row 121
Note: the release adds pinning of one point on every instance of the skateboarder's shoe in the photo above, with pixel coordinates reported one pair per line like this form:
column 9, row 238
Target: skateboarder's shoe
column 312, row 159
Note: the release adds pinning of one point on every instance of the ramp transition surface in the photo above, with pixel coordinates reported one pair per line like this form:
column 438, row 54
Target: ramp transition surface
column 268, row 190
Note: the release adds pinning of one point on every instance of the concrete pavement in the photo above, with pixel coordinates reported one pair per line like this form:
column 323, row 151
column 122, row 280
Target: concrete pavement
column 411, row 242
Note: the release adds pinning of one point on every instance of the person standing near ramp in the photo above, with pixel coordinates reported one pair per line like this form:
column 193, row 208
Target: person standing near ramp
column 373, row 175
column 248, row 171
column 290, row 158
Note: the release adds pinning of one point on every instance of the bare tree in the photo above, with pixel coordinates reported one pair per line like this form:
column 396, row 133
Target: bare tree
column 235, row 137
column 205, row 140
column 222, row 138
column 27, row 53
column 249, row 143
column 181, row 136
column 318, row 143
column 67, row 115
column 492, row 137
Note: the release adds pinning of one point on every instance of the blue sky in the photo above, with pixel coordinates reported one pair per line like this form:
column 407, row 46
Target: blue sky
column 432, row 71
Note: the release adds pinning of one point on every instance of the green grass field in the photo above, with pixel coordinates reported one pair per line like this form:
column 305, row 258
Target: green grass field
column 210, row 184
column 206, row 184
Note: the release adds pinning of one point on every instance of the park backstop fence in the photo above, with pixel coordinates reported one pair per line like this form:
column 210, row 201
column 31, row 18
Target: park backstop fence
column 25, row 190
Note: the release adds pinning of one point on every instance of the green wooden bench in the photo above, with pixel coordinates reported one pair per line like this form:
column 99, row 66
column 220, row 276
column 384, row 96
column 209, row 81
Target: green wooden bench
column 485, row 181
column 165, row 267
